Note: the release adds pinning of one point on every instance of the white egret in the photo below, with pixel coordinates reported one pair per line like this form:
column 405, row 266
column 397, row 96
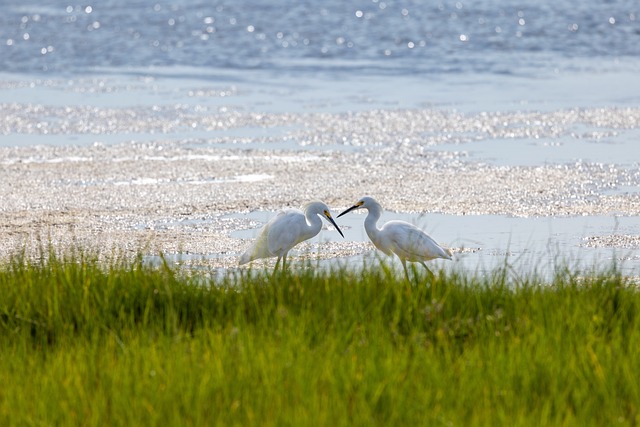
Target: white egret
column 405, row 240
column 287, row 229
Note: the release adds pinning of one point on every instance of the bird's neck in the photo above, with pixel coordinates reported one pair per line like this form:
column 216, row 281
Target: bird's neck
column 314, row 222
column 370, row 224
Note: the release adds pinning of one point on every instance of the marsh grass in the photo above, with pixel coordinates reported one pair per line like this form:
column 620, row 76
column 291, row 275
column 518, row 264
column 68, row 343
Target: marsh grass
column 124, row 343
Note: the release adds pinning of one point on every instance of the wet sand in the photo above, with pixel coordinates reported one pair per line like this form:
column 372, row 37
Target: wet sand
column 180, row 178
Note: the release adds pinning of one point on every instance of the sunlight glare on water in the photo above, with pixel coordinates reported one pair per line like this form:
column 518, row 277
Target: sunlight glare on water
column 399, row 36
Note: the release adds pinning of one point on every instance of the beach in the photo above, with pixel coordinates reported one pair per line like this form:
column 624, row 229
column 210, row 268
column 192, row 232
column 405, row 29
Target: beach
column 182, row 179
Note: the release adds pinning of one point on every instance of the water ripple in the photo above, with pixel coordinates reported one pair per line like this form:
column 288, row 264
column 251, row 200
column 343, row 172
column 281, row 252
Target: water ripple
column 403, row 36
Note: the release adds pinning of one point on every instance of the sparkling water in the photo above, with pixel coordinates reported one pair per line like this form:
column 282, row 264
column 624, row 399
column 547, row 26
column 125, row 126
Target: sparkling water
column 378, row 36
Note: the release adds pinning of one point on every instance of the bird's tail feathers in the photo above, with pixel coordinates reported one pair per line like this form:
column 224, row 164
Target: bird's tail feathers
column 448, row 252
column 244, row 258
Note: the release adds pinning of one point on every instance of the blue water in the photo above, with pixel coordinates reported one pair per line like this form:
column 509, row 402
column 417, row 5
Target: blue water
column 379, row 37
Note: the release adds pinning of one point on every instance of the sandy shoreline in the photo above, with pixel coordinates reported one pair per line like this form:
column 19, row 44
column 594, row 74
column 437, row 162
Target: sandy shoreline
column 175, row 194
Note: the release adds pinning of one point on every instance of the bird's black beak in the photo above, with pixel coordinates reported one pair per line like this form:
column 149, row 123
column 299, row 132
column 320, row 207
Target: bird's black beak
column 354, row 207
column 335, row 225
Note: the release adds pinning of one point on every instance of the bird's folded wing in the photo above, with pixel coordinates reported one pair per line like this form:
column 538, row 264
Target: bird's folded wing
column 413, row 243
column 284, row 231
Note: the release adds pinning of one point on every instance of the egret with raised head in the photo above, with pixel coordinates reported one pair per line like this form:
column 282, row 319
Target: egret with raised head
column 405, row 240
column 288, row 228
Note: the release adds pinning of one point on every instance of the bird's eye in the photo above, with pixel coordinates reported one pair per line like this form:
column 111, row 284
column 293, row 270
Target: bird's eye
column 326, row 213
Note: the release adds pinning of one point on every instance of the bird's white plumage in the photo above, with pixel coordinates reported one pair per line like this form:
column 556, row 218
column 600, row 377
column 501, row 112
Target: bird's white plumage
column 284, row 231
column 405, row 240
column 409, row 242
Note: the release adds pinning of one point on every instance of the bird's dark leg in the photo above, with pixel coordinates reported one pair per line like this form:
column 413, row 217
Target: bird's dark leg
column 404, row 265
column 284, row 260
column 429, row 272
column 276, row 267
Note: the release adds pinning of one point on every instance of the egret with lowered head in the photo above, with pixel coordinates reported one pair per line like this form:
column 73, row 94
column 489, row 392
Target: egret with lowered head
column 405, row 240
column 288, row 228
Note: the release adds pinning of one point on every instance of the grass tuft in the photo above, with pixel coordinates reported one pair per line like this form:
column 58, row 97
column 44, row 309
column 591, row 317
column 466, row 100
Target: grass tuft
column 84, row 342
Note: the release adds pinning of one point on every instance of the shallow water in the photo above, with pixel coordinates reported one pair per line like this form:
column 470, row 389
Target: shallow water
column 613, row 147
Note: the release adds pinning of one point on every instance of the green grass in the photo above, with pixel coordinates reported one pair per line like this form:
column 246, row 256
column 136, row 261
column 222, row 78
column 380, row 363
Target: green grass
column 84, row 343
